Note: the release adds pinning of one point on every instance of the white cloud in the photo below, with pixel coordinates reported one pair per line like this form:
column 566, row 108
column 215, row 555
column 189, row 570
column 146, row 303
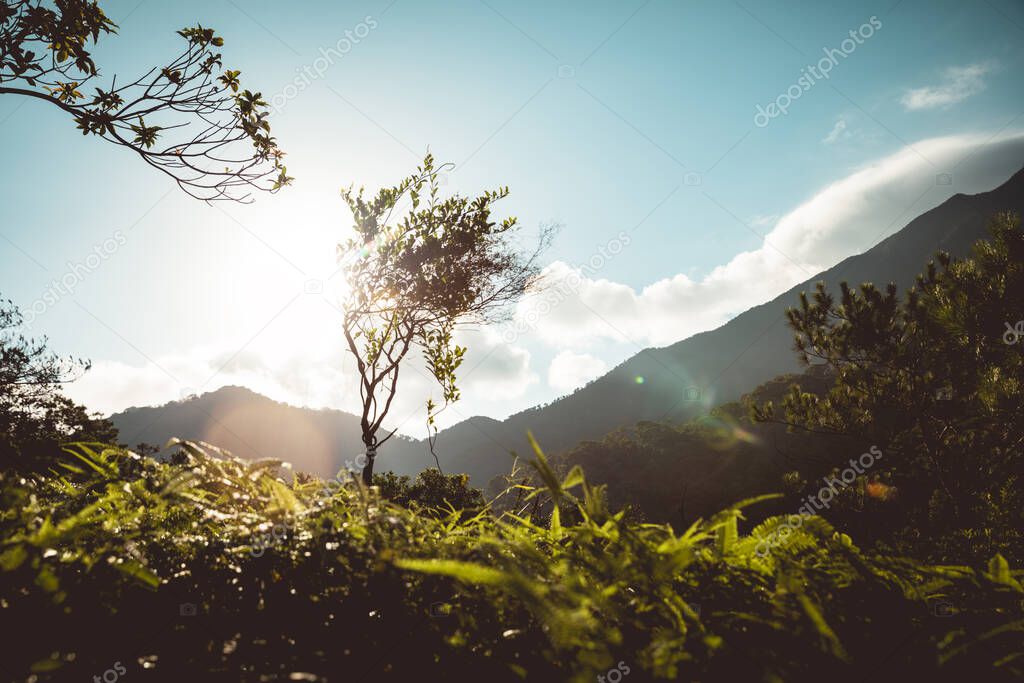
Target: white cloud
column 845, row 218
column 297, row 378
column 313, row 370
column 958, row 83
column 570, row 370
column 493, row 370
column 838, row 131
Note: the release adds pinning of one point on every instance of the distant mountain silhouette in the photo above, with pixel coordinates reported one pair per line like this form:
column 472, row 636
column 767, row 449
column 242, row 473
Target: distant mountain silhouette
column 691, row 376
column 253, row 426
column 676, row 382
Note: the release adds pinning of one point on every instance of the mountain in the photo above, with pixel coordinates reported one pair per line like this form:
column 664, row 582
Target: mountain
column 710, row 368
column 672, row 383
column 253, row 426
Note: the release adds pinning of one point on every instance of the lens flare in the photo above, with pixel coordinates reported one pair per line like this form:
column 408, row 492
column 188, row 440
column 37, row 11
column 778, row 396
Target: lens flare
column 725, row 432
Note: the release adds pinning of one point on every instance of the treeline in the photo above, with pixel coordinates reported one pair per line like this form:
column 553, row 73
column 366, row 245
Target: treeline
column 906, row 429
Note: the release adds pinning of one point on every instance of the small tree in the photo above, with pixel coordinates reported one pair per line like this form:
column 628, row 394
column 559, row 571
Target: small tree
column 35, row 417
column 934, row 380
column 412, row 281
column 181, row 118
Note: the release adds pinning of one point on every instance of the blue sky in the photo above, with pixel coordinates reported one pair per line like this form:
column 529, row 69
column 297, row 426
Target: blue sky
column 605, row 117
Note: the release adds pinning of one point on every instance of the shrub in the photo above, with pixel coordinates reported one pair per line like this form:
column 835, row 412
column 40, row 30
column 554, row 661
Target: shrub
column 220, row 569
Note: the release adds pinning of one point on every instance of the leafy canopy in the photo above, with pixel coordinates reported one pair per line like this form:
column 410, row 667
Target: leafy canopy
column 188, row 118
column 933, row 380
column 35, row 417
column 445, row 262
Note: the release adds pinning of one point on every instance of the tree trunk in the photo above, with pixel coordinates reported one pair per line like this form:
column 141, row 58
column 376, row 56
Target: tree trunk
column 371, row 455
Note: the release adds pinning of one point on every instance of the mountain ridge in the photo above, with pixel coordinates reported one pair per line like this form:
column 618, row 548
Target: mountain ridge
column 952, row 226
column 674, row 382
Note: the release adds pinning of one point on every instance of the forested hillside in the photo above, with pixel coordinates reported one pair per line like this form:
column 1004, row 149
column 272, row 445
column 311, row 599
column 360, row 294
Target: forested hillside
column 681, row 381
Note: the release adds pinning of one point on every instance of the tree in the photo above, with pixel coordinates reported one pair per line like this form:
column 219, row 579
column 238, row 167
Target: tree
column 201, row 129
column 35, row 417
column 936, row 381
column 433, row 492
column 412, row 281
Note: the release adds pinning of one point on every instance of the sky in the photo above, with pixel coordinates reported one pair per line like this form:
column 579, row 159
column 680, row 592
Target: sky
column 699, row 158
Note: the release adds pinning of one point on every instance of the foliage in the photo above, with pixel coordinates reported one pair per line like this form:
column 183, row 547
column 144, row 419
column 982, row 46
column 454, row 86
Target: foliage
column 936, row 384
column 411, row 281
column 432, row 492
column 34, row 416
column 203, row 130
column 675, row 473
column 213, row 568
column 860, row 399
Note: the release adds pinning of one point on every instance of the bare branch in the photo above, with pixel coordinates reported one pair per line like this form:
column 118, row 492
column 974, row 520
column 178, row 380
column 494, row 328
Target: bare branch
column 213, row 136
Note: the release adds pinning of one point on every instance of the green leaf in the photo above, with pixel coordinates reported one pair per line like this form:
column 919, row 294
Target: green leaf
column 999, row 569
column 574, row 478
column 824, row 630
column 44, row 665
column 139, row 572
column 284, row 498
column 47, row 580
column 726, row 535
column 463, row 571
column 12, row 558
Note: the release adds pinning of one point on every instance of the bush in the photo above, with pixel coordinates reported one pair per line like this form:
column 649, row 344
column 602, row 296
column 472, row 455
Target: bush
column 219, row 569
column 432, row 492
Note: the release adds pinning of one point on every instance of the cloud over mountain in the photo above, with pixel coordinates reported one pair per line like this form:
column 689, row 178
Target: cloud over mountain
column 844, row 218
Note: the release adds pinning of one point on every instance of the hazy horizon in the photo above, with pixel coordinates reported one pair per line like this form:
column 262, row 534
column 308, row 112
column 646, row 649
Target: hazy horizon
column 705, row 204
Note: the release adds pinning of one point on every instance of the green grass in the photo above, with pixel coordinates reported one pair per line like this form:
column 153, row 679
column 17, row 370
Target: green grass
column 103, row 562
